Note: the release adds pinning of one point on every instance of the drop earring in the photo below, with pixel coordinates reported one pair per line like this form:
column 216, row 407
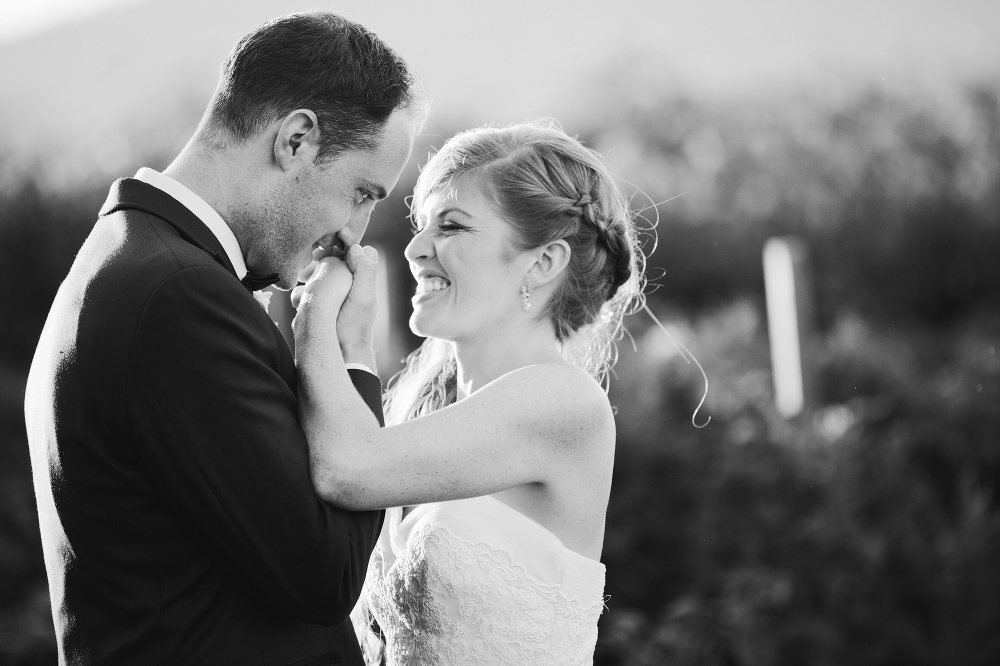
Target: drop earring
column 525, row 298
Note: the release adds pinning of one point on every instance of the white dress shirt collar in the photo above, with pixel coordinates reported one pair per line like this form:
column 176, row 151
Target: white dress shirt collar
column 202, row 211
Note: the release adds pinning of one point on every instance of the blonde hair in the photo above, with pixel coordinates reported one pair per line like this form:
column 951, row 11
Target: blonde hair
column 547, row 186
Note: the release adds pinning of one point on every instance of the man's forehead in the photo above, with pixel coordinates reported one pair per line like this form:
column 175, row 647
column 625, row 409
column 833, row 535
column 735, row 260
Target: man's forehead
column 381, row 166
column 398, row 133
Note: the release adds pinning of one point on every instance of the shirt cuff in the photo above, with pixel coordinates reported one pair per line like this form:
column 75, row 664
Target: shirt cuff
column 360, row 366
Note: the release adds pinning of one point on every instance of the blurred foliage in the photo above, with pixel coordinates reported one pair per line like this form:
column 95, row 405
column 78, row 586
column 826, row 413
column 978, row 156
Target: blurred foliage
column 896, row 196
column 868, row 531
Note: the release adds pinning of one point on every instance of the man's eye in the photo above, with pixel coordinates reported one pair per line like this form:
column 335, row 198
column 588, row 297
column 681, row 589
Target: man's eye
column 362, row 196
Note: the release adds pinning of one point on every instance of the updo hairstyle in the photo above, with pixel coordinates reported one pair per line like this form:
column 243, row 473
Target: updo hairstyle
column 547, row 186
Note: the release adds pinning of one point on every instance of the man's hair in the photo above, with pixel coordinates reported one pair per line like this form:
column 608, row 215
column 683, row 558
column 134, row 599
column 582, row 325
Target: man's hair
column 320, row 61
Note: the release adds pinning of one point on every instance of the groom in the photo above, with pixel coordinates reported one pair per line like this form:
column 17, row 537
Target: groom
column 178, row 520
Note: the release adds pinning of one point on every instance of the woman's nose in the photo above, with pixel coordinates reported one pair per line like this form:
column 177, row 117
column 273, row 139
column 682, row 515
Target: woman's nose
column 419, row 247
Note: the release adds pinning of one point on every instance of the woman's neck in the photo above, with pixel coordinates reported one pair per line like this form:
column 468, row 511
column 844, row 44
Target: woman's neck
column 482, row 359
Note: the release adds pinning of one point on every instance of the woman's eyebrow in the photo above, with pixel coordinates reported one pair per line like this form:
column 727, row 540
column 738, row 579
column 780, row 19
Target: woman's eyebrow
column 451, row 209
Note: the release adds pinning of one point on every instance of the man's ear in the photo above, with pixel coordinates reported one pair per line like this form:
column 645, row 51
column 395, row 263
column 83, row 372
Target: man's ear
column 551, row 260
column 297, row 139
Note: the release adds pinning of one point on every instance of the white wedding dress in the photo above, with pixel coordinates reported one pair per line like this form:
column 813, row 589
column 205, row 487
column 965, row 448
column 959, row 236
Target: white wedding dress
column 476, row 582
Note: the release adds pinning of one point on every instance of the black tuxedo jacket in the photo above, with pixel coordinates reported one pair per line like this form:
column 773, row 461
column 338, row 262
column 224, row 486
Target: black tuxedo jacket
column 178, row 518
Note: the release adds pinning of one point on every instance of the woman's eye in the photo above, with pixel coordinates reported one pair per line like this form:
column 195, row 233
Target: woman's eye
column 441, row 228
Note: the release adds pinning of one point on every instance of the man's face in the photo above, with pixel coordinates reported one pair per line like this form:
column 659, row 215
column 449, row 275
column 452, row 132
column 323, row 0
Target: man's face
column 330, row 203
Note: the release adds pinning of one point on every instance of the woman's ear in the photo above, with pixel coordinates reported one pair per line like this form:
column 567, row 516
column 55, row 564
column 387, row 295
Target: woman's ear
column 297, row 139
column 551, row 260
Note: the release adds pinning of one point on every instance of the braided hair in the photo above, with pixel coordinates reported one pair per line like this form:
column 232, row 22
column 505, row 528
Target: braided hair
column 547, row 186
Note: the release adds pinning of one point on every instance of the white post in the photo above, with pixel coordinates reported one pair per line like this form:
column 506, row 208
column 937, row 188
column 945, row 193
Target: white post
column 783, row 323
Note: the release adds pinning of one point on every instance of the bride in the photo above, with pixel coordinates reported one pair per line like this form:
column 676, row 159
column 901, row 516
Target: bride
column 500, row 441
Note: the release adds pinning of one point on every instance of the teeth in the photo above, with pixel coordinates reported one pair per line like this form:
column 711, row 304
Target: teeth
column 426, row 284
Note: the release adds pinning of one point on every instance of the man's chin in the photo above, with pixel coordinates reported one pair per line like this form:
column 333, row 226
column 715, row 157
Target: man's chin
column 286, row 283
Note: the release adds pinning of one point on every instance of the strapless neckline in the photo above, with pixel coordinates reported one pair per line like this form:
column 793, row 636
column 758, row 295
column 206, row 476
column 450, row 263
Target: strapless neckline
column 404, row 520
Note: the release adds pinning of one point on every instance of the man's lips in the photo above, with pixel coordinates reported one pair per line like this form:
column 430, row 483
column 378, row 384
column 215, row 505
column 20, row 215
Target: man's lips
column 331, row 243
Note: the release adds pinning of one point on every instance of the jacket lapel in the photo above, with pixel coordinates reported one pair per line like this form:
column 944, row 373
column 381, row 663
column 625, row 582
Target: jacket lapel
column 128, row 193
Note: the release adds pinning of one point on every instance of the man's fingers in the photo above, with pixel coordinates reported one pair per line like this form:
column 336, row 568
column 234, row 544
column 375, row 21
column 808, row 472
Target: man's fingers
column 354, row 323
column 358, row 257
column 330, row 267
column 319, row 252
column 361, row 300
column 297, row 295
column 323, row 267
column 355, row 256
column 307, row 272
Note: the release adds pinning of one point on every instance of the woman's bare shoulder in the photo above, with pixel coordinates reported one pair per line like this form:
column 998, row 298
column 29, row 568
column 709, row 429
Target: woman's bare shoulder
column 560, row 396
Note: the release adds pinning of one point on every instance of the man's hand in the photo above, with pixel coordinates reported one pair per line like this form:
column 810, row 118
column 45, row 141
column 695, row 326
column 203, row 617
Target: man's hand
column 306, row 273
column 345, row 304
column 318, row 302
column 356, row 322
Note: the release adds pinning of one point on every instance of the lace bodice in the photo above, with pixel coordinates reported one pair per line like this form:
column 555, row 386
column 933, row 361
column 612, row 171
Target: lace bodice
column 475, row 582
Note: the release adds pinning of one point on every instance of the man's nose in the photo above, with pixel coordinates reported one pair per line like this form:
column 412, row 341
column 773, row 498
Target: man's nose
column 359, row 225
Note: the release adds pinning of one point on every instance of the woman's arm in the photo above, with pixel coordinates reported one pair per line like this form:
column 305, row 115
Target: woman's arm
column 522, row 428
column 519, row 429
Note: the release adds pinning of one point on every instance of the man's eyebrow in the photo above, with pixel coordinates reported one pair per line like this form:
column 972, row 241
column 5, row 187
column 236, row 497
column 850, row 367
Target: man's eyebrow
column 377, row 190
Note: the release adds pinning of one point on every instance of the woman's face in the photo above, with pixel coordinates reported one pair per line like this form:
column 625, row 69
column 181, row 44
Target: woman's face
column 468, row 274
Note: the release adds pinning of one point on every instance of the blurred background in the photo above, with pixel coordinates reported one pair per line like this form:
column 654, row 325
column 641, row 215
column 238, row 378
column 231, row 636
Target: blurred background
column 861, row 527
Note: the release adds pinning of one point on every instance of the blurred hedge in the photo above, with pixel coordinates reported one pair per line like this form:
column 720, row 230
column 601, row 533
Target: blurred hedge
column 865, row 533
column 868, row 531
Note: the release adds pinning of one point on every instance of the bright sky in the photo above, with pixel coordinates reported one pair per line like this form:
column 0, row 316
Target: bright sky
column 98, row 74
column 21, row 18
column 698, row 35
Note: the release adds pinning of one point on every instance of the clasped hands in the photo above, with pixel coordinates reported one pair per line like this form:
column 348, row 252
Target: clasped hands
column 338, row 295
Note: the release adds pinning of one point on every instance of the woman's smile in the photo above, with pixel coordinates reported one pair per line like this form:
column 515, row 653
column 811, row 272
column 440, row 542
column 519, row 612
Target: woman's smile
column 429, row 285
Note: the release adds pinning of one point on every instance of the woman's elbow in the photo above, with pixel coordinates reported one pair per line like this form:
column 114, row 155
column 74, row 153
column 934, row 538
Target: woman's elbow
column 339, row 486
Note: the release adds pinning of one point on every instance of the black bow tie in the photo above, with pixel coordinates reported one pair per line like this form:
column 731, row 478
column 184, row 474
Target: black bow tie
column 257, row 282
